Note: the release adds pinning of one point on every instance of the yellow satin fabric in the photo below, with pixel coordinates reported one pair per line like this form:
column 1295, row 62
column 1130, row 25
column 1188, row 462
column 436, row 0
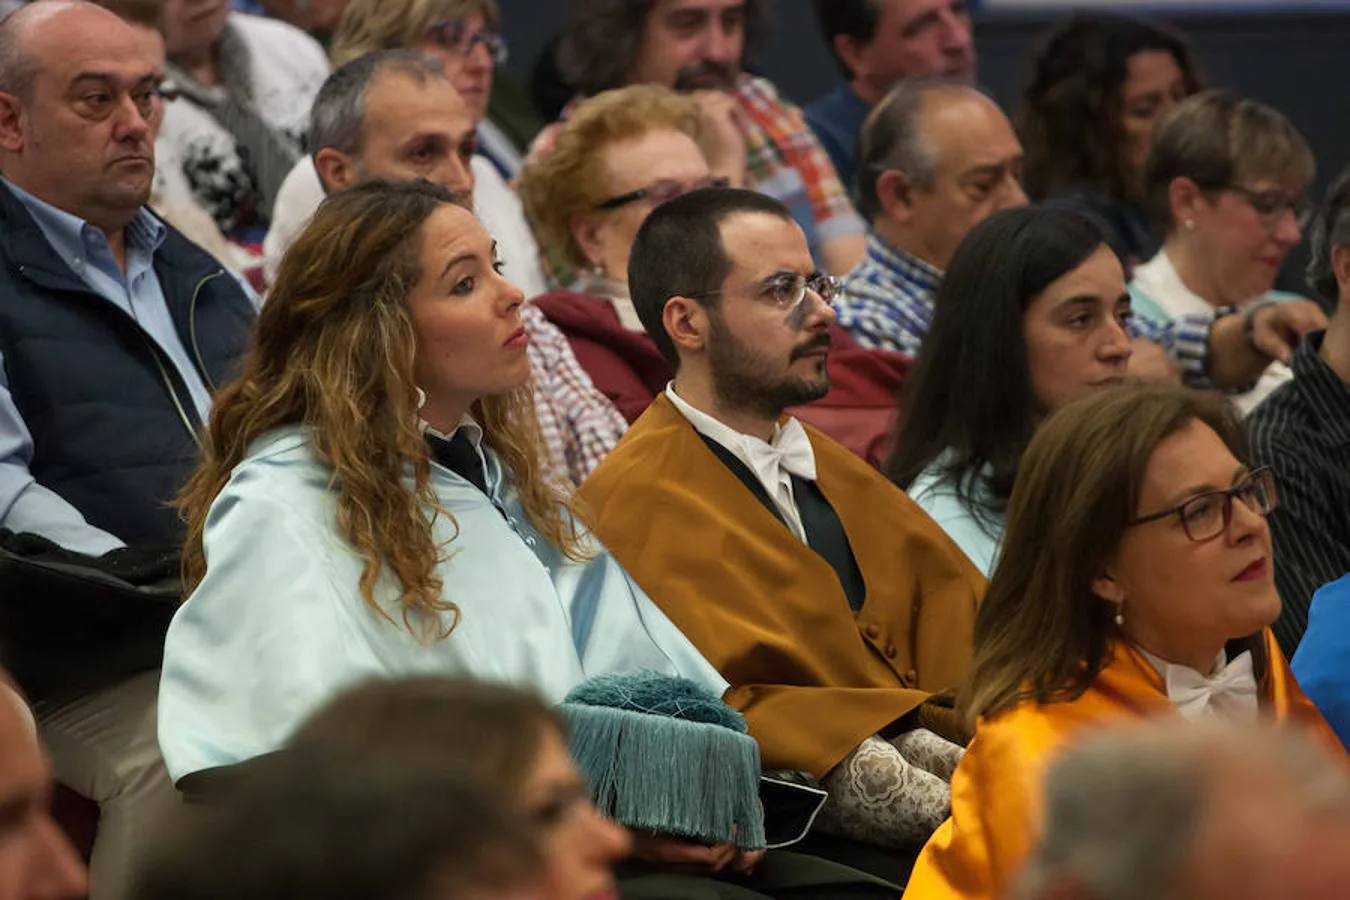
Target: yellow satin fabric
column 996, row 792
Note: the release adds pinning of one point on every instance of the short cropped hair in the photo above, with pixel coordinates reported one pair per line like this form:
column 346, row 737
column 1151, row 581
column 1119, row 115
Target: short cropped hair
column 600, row 46
column 368, row 25
column 337, row 119
column 855, row 18
column 571, row 177
column 1330, row 229
column 1219, row 139
column 678, row 252
column 893, row 138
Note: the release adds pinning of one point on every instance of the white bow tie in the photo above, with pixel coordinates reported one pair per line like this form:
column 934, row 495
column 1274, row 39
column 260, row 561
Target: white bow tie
column 1233, row 690
column 791, row 451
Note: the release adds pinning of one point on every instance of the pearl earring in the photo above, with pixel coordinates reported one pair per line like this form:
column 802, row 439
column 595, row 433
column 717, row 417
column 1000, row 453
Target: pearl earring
column 1120, row 616
column 421, row 397
column 1190, row 224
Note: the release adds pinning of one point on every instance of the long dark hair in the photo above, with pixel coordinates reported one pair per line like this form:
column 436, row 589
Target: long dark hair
column 1041, row 634
column 969, row 398
column 1069, row 121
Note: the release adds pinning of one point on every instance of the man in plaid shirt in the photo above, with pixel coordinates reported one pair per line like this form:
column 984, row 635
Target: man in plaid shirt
column 938, row 157
column 755, row 137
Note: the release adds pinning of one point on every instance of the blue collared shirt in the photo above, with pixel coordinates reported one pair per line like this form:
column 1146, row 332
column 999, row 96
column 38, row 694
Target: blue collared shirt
column 26, row 505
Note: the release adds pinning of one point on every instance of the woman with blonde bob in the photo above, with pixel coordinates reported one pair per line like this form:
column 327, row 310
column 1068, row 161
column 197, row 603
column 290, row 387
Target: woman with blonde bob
column 1135, row 581
column 370, row 501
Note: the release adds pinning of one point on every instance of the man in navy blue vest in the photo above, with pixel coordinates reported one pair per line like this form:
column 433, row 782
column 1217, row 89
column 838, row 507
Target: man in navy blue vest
column 114, row 330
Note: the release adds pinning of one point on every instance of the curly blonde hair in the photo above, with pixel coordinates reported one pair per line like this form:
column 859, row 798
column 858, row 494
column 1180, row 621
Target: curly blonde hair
column 369, row 25
column 333, row 350
column 571, row 178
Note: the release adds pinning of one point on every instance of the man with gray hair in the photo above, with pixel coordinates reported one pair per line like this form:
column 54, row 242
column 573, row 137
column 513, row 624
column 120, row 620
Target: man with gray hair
column 1174, row 811
column 937, row 158
column 393, row 114
column 1302, row 431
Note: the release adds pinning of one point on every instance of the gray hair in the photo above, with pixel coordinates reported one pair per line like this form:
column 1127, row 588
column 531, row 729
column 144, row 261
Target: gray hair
column 1330, row 229
column 892, row 138
column 337, row 119
column 1124, row 807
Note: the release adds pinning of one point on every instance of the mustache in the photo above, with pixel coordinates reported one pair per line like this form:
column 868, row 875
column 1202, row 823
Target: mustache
column 697, row 76
column 819, row 342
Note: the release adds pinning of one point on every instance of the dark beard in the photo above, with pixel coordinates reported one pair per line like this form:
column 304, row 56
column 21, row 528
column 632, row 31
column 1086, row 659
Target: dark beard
column 705, row 75
column 740, row 382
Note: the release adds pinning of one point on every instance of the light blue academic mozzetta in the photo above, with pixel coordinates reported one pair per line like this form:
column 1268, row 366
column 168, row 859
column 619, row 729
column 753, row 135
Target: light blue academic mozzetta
column 278, row 624
column 935, row 493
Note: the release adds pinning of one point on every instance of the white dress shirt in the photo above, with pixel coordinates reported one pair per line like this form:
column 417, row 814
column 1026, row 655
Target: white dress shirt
column 1229, row 691
column 773, row 462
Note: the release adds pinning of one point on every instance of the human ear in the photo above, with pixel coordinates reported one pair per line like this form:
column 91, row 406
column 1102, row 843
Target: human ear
column 686, row 322
column 585, row 230
column 13, row 123
column 337, row 171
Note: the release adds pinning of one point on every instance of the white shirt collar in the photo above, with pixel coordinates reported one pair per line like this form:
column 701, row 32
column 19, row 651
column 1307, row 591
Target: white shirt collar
column 472, row 430
column 773, row 463
column 1230, row 690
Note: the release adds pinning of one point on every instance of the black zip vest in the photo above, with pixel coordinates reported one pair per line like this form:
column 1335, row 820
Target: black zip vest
column 114, row 427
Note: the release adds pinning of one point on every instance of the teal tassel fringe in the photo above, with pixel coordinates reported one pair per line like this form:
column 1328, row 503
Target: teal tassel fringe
column 696, row 776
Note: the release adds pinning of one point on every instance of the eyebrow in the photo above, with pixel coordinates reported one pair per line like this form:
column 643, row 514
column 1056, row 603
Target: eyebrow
column 108, row 78
column 993, row 168
column 783, row 273
column 1081, row 300
column 463, row 257
column 1197, row 490
column 469, row 256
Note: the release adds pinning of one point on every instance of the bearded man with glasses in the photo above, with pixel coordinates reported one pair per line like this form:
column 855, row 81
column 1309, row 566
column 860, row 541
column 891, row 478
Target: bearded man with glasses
column 832, row 604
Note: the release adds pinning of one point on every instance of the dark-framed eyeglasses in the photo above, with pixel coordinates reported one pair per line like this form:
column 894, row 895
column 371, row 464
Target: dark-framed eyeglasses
column 1206, row 516
column 454, row 35
column 787, row 290
column 659, row 192
column 1270, row 206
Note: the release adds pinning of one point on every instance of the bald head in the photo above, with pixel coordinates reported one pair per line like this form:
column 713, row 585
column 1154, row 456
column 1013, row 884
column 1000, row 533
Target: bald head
column 32, row 31
column 938, row 157
column 79, row 107
column 893, row 134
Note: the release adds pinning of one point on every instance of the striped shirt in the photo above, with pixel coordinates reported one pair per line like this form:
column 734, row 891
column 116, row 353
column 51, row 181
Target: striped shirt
column 888, row 302
column 1302, row 431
